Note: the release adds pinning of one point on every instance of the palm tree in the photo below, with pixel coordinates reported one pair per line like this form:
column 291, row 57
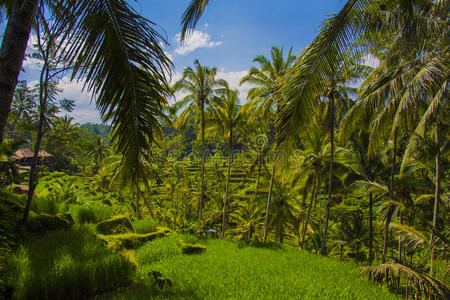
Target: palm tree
column 107, row 51
column 262, row 98
column 118, row 53
column 24, row 102
column 99, row 151
column 338, row 90
column 314, row 156
column 202, row 88
column 228, row 119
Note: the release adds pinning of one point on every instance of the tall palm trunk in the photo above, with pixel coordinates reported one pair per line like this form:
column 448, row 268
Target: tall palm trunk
column 309, row 213
column 436, row 199
column 269, row 197
column 259, row 175
column 43, row 97
column 137, row 199
column 249, row 235
column 12, row 51
column 330, row 180
column 200, row 205
column 224, row 213
column 370, row 228
column 392, row 195
column 400, row 241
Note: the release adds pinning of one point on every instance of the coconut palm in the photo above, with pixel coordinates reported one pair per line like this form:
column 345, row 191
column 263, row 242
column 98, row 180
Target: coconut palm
column 338, row 90
column 98, row 151
column 203, row 89
column 262, row 99
column 313, row 158
column 24, row 102
column 228, row 118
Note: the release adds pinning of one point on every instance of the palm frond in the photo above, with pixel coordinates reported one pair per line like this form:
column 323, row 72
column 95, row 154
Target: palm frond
column 191, row 16
column 423, row 283
column 119, row 54
column 301, row 87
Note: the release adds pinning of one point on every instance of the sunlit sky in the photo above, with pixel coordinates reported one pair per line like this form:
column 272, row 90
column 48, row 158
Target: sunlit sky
column 229, row 35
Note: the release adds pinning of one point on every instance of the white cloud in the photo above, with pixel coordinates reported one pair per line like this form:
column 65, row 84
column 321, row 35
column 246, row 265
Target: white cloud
column 86, row 115
column 233, row 78
column 74, row 90
column 84, row 110
column 169, row 56
column 196, row 39
column 29, row 62
column 371, row 61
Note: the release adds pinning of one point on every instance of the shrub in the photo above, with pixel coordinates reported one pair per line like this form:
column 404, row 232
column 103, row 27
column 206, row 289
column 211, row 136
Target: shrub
column 43, row 223
column 115, row 225
column 45, row 205
column 157, row 250
column 67, row 264
column 90, row 213
column 145, row 225
column 132, row 240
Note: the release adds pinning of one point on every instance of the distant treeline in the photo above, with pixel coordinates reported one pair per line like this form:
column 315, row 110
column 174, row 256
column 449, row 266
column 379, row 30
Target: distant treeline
column 99, row 129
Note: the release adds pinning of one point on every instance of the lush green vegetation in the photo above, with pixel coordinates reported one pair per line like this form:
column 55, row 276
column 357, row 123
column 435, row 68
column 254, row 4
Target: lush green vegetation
column 241, row 270
column 67, row 264
column 326, row 156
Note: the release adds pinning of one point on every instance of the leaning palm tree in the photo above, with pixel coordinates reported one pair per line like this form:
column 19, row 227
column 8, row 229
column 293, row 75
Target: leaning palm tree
column 262, row 99
column 228, row 119
column 202, row 88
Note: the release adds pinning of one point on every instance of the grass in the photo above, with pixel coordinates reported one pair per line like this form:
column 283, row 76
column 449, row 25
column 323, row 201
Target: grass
column 67, row 264
column 145, row 225
column 228, row 270
column 48, row 205
column 83, row 214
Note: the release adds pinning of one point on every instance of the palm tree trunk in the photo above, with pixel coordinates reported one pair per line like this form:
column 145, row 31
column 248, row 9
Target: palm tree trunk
column 259, row 176
column 399, row 256
column 147, row 190
column 370, row 228
column 330, row 180
column 137, row 199
column 43, row 96
column 12, row 51
column 269, row 197
column 200, row 205
column 436, row 199
column 224, row 214
column 392, row 195
column 34, row 168
column 309, row 213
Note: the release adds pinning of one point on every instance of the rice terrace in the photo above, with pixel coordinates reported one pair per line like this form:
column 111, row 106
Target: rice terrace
column 206, row 149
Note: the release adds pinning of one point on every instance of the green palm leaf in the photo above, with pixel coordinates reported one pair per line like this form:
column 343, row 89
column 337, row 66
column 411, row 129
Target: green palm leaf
column 119, row 54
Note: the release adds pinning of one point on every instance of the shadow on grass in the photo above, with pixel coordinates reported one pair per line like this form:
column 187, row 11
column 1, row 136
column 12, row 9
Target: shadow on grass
column 256, row 244
column 67, row 264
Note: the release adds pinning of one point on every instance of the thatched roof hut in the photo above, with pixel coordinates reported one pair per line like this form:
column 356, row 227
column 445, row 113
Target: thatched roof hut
column 24, row 157
column 28, row 153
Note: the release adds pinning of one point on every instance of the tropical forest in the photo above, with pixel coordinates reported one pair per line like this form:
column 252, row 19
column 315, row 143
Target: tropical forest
column 207, row 149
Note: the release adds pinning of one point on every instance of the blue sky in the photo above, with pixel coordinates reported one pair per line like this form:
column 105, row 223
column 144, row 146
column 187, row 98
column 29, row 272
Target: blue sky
column 229, row 35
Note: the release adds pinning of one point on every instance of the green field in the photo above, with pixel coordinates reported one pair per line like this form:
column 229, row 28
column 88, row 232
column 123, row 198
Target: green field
column 229, row 270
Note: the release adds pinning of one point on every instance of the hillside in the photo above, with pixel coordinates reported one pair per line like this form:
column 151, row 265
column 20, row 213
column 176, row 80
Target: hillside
column 237, row 270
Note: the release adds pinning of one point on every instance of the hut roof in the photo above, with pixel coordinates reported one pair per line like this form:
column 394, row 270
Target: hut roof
column 28, row 153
